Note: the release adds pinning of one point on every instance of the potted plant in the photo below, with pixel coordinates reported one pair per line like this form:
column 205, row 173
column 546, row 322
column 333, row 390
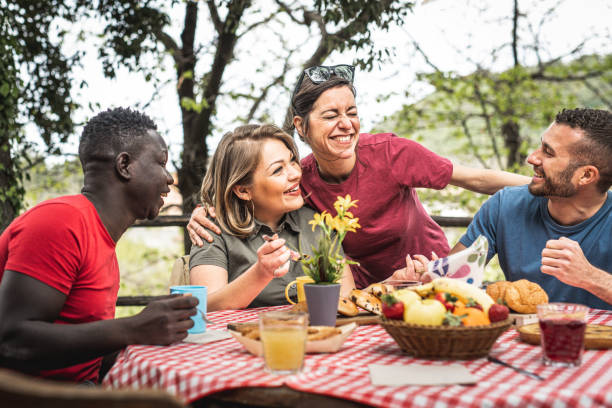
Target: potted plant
column 326, row 264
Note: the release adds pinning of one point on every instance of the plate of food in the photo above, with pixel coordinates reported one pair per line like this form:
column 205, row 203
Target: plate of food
column 320, row 339
column 596, row 336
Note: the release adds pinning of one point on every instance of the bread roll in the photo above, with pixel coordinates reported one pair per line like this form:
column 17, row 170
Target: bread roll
column 347, row 307
column 366, row 301
column 524, row 296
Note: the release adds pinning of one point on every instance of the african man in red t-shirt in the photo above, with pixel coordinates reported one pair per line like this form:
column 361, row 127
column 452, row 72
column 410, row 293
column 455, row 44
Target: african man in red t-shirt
column 59, row 275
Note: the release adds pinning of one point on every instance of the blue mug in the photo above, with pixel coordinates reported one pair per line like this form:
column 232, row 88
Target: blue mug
column 200, row 292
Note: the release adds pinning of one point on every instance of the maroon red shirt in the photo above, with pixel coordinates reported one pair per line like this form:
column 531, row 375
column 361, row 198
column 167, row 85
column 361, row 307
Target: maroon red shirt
column 63, row 243
column 393, row 220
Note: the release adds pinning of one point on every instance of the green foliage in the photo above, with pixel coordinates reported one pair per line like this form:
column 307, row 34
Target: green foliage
column 191, row 105
column 48, row 181
column 145, row 263
column 11, row 188
column 35, row 85
column 357, row 18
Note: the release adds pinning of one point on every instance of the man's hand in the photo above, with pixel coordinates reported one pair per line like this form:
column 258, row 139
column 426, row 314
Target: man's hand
column 563, row 258
column 415, row 267
column 199, row 224
column 164, row 321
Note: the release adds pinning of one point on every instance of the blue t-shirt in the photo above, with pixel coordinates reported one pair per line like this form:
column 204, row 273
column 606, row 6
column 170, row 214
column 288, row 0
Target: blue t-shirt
column 517, row 225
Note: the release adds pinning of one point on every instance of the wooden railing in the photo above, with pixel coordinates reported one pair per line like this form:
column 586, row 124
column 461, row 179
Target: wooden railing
column 182, row 220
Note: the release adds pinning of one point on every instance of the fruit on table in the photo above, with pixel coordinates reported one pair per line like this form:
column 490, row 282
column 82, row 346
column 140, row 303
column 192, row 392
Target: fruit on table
column 406, row 296
column 447, row 300
column 471, row 316
column 392, row 308
column 462, row 290
column 426, row 312
column 497, row 313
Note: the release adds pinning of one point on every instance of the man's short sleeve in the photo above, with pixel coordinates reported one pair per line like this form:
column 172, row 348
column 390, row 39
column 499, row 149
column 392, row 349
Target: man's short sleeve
column 45, row 244
column 485, row 223
column 413, row 165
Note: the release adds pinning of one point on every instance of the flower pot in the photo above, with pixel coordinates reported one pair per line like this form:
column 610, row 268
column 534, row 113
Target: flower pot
column 322, row 303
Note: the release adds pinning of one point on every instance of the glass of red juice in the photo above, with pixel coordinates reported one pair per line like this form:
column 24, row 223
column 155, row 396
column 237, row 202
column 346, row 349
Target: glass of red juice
column 562, row 326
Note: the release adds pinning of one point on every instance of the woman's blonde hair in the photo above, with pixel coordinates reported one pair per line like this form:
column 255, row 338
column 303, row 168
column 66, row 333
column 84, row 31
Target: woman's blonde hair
column 233, row 164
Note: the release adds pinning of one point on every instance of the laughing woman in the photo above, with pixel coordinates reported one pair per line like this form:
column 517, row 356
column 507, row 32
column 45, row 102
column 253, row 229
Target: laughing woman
column 254, row 184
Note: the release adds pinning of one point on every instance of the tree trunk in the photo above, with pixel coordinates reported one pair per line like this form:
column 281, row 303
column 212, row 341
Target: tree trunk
column 197, row 126
column 512, row 140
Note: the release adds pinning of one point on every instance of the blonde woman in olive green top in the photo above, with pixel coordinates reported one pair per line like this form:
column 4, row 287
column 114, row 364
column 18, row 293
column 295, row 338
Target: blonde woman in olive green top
column 254, row 184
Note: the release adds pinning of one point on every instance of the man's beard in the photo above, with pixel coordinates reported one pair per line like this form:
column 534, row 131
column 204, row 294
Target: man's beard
column 560, row 186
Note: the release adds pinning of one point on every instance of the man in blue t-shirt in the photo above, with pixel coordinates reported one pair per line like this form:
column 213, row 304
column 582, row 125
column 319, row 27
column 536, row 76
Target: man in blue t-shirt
column 557, row 230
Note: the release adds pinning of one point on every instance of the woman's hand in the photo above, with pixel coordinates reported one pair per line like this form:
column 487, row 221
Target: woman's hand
column 199, row 224
column 273, row 257
column 416, row 266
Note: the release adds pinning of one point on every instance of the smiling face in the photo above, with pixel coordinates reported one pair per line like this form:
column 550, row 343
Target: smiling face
column 150, row 180
column 276, row 183
column 553, row 164
column 333, row 128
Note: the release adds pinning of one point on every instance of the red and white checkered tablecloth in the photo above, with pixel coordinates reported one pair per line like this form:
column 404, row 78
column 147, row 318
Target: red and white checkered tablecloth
column 192, row 371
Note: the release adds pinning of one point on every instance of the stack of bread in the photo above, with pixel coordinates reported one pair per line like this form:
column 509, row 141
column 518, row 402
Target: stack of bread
column 367, row 299
column 521, row 296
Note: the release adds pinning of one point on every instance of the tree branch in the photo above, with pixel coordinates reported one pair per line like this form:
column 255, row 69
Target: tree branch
column 263, row 94
column 467, row 132
column 258, row 23
column 214, row 16
column 515, row 17
column 487, row 118
column 597, row 93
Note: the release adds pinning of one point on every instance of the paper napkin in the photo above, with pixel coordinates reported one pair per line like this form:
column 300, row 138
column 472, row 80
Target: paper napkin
column 208, row 336
column 416, row 374
column 467, row 265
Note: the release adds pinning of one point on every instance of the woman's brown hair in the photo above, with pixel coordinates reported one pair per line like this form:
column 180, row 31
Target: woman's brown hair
column 233, row 164
column 304, row 99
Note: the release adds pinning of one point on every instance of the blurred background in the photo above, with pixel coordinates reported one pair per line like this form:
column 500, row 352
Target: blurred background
column 477, row 81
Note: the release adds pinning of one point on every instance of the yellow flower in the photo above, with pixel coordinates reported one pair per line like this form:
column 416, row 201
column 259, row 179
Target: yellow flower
column 352, row 224
column 343, row 204
column 317, row 219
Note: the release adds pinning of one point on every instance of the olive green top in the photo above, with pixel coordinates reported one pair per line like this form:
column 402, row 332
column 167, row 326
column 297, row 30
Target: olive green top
column 236, row 255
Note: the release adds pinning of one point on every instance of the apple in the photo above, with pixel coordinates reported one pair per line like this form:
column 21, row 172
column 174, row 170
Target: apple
column 406, row 296
column 427, row 312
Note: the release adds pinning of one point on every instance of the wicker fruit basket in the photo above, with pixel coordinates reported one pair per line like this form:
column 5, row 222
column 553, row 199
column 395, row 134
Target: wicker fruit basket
column 445, row 342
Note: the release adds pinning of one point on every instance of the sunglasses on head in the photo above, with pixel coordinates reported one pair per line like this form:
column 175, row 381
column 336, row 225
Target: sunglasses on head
column 323, row 73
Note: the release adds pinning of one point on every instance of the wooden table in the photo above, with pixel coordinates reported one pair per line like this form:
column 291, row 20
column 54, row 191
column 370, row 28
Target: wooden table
column 224, row 374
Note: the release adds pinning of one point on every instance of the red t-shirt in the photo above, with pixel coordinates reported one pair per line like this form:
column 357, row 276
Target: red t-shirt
column 393, row 220
column 63, row 243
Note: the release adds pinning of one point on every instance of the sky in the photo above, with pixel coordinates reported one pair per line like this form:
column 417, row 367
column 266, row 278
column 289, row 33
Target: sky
column 455, row 34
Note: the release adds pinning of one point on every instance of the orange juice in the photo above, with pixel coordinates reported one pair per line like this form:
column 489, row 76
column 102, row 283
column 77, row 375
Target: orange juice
column 284, row 348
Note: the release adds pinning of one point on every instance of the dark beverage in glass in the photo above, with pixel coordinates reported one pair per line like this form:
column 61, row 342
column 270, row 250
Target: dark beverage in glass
column 562, row 326
column 562, row 340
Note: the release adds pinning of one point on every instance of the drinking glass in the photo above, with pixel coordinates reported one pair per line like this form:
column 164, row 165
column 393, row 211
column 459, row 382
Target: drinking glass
column 562, row 327
column 283, row 335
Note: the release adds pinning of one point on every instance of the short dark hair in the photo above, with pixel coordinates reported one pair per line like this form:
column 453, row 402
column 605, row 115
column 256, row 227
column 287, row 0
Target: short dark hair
column 596, row 149
column 112, row 132
column 307, row 95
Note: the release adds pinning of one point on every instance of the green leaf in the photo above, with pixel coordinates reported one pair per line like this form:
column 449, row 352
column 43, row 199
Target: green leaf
column 4, row 89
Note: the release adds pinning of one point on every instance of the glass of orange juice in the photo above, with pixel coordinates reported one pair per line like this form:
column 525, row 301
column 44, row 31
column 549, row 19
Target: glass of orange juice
column 283, row 335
